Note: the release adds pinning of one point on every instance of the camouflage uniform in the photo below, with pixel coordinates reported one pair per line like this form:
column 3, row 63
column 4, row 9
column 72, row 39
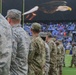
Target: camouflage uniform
column 37, row 57
column 74, row 55
column 62, row 55
column 19, row 62
column 59, row 60
column 37, row 53
column 5, row 46
column 53, row 58
column 47, row 65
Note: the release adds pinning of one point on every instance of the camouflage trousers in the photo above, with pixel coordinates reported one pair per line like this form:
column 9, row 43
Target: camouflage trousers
column 35, row 71
column 73, row 61
column 53, row 70
column 59, row 70
column 59, row 66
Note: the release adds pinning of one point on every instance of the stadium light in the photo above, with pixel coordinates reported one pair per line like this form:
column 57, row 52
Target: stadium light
column 0, row 6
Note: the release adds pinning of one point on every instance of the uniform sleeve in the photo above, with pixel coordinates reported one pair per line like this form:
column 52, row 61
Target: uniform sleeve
column 63, row 52
column 53, row 53
column 20, row 52
column 47, row 53
column 47, row 65
column 5, row 46
column 32, row 51
column 53, row 50
column 5, row 53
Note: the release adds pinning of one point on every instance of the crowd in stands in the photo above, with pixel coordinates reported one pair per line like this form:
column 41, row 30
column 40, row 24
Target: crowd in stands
column 62, row 31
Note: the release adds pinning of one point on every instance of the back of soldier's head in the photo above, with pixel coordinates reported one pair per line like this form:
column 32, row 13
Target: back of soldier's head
column 57, row 43
column 36, row 27
column 14, row 14
column 43, row 35
column 49, row 35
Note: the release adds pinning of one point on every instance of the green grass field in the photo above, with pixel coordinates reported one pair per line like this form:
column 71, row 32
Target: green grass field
column 67, row 70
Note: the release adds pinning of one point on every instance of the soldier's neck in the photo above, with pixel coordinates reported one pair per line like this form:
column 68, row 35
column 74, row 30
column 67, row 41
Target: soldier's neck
column 49, row 39
column 35, row 35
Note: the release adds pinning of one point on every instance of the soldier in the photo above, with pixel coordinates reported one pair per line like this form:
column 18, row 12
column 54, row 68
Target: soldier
column 47, row 65
column 53, row 55
column 5, row 46
column 19, row 62
column 37, row 52
column 54, row 38
column 73, row 61
column 59, row 63
column 62, row 55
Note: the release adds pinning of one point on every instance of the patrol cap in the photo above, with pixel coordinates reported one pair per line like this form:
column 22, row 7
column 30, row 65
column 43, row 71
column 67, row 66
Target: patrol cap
column 49, row 35
column 43, row 34
column 54, row 39
column 13, row 14
column 57, row 43
column 36, row 26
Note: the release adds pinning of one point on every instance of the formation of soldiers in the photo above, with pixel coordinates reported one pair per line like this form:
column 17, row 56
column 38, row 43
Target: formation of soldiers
column 22, row 55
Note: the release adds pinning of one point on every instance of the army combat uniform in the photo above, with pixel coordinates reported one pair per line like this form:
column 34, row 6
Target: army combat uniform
column 62, row 55
column 5, row 46
column 47, row 50
column 47, row 65
column 53, row 58
column 37, row 57
column 74, row 56
column 59, row 61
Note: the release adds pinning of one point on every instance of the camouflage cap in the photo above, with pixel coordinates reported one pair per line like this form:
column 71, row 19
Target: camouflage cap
column 13, row 14
column 36, row 26
column 43, row 34
column 49, row 34
column 54, row 39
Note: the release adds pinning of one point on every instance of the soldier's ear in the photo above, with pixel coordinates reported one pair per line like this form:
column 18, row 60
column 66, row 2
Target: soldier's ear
column 9, row 20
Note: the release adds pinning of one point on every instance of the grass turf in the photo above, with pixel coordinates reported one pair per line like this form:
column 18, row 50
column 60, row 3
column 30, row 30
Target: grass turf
column 67, row 70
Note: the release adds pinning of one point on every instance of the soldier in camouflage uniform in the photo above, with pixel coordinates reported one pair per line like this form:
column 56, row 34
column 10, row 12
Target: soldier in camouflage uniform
column 47, row 65
column 61, row 47
column 5, row 46
column 73, row 61
column 19, row 62
column 53, row 55
column 37, row 52
column 59, row 63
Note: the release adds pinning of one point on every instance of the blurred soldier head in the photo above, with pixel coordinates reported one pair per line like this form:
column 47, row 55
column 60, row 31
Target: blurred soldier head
column 73, row 44
column 35, row 28
column 43, row 35
column 48, row 36
column 57, row 43
column 13, row 16
column 54, row 39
